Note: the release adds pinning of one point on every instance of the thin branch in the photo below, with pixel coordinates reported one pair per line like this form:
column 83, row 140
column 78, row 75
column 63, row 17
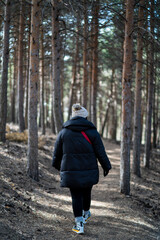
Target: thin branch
column 3, row 2
column 147, row 31
column 26, row 1
column 112, row 9
column 2, row 17
column 151, row 35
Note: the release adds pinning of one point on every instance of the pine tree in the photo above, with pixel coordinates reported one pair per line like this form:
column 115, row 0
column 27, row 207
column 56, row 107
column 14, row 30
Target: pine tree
column 126, row 101
column 20, row 69
column 85, row 77
column 73, row 94
column 95, row 62
column 4, row 80
column 32, row 167
column 150, row 93
column 137, row 106
column 56, row 60
column 42, row 77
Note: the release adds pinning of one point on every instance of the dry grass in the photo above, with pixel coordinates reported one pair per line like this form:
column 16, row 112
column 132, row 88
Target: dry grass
column 15, row 136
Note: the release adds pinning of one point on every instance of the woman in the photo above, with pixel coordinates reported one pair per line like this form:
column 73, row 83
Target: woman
column 77, row 148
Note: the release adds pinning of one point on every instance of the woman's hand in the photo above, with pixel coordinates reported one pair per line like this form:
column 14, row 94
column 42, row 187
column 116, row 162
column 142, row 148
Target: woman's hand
column 105, row 172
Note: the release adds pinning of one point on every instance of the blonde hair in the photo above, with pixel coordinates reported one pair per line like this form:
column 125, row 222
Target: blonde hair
column 76, row 107
column 78, row 110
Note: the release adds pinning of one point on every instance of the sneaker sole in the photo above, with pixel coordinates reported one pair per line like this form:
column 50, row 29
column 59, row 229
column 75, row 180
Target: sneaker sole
column 77, row 231
column 85, row 221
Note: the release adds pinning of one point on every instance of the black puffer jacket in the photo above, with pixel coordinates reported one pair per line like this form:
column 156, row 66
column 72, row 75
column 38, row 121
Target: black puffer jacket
column 75, row 157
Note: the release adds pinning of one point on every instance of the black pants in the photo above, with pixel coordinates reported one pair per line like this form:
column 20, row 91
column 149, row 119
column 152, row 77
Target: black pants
column 81, row 200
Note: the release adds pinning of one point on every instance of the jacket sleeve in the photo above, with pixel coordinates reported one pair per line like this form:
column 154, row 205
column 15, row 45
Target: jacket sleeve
column 57, row 153
column 101, row 153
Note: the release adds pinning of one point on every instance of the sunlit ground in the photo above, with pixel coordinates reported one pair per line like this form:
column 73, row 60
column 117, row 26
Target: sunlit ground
column 51, row 205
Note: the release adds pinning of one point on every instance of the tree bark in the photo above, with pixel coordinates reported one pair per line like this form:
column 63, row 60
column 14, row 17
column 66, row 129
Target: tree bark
column 147, row 150
column 90, row 60
column 112, row 126
column 28, row 70
column 85, row 77
column 126, row 101
column 62, row 83
column 95, row 64
column 10, row 80
column 155, row 107
column 13, row 110
column 4, row 80
column 42, row 82
column 137, row 105
column 20, row 70
column 53, row 129
column 32, row 167
column 105, row 119
column 154, row 116
column 73, row 96
column 56, row 66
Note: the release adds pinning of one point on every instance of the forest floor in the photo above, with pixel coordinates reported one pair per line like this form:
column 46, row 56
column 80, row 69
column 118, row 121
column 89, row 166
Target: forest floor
column 42, row 210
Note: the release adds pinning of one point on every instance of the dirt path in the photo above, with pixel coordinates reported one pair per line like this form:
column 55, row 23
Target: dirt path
column 42, row 211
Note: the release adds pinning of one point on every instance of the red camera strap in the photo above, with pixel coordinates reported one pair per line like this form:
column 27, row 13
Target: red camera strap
column 86, row 137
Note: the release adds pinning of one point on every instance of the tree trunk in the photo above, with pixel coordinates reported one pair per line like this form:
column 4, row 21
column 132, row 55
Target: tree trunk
column 105, row 119
column 56, row 66
column 4, row 80
column 20, row 69
column 32, row 167
column 154, row 116
column 85, row 77
column 42, row 82
column 95, row 63
column 100, row 119
column 28, row 70
column 137, row 105
column 10, row 73
column 147, row 150
column 48, row 90
column 13, row 110
column 90, row 60
column 53, row 129
column 62, row 83
column 126, row 101
column 155, row 107
column 112, row 125
column 73, row 96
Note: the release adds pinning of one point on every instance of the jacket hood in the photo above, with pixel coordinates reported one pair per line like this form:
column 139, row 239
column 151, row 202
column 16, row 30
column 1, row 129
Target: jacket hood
column 78, row 124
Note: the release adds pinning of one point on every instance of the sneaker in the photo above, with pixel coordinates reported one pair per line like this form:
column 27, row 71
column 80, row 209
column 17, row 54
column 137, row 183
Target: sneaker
column 78, row 228
column 86, row 217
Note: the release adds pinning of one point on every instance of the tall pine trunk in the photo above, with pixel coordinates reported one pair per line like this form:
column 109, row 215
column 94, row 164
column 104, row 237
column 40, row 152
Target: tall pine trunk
column 90, row 63
column 147, row 150
column 95, row 64
column 53, row 129
column 112, row 126
column 32, row 167
column 13, row 98
column 126, row 101
column 105, row 119
column 56, row 50
column 20, row 70
column 4, row 80
column 85, row 77
column 155, row 108
column 28, row 70
column 73, row 97
column 42, row 81
column 62, row 82
column 137, row 106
